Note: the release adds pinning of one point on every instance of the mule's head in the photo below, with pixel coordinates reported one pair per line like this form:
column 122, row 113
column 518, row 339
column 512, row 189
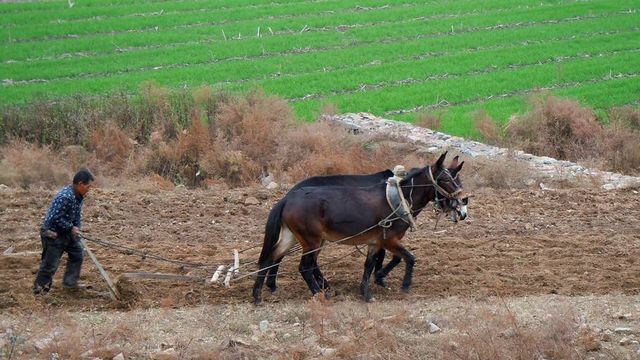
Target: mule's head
column 450, row 196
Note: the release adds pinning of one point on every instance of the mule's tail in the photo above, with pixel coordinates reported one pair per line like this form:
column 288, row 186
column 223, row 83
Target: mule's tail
column 272, row 232
column 266, row 260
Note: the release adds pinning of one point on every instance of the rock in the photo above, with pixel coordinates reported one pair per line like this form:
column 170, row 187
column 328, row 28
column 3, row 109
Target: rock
column 623, row 330
column 118, row 357
column 544, row 187
column 264, row 325
column 87, row 354
column 626, row 341
column 42, row 344
column 251, row 201
column 433, row 328
column 167, row 354
column 327, row 351
column 508, row 334
column 233, row 342
column 180, row 188
column 623, row 316
column 262, row 194
column 310, row 341
column 272, row 186
column 3, row 187
column 267, row 180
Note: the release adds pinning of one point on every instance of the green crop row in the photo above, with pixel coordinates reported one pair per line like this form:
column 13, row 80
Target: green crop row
column 249, row 65
column 366, row 28
column 476, row 87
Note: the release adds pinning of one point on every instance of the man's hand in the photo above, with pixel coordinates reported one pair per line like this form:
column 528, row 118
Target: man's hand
column 75, row 231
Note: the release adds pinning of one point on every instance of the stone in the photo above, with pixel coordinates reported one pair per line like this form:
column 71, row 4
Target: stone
column 118, row 357
column 623, row 330
column 167, row 354
column 272, row 186
column 626, row 341
column 327, row 351
column 233, row 342
column 433, row 328
column 264, row 325
column 251, row 201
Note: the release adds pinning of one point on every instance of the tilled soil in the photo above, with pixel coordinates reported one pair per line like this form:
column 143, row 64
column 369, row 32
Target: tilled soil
column 571, row 242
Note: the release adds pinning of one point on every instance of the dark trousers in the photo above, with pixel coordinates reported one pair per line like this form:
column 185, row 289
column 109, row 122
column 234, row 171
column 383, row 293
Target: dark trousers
column 52, row 250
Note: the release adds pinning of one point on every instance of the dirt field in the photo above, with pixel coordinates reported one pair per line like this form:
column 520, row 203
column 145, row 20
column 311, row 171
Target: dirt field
column 574, row 243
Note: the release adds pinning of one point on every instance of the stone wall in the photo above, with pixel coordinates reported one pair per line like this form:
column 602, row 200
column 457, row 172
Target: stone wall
column 434, row 142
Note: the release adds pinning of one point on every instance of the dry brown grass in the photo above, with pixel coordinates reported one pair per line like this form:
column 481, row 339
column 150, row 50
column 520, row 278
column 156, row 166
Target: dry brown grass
column 558, row 128
column 563, row 129
column 487, row 128
column 428, row 120
column 202, row 137
column 622, row 149
column 25, row 164
column 497, row 333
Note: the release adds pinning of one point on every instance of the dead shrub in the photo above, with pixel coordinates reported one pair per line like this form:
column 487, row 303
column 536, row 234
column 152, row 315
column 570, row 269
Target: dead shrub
column 319, row 149
column 25, row 165
column 155, row 112
column 499, row 173
column 111, row 145
column 180, row 159
column 254, row 125
column 621, row 148
column 627, row 116
column 231, row 165
column 428, row 120
column 487, row 127
column 557, row 128
column 498, row 334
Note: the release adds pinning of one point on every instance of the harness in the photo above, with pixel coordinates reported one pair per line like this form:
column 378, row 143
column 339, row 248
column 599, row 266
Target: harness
column 397, row 202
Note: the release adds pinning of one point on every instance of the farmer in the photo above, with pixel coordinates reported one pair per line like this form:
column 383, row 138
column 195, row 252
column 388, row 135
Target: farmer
column 60, row 232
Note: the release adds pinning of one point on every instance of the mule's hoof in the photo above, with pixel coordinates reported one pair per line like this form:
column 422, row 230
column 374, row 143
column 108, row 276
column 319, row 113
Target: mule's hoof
column 257, row 302
column 370, row 299
column 274, row 291
column 405, row 290
column 382, row 284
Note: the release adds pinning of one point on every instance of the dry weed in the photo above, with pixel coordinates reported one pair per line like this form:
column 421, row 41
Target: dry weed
column 557, row 128
column 428, row 120
column 499, row 173
column 112, row 146
column 24, row 164
column 487, row 127
column 497, row 333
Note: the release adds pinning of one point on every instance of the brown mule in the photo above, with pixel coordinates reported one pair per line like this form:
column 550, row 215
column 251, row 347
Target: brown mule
column 352, row 215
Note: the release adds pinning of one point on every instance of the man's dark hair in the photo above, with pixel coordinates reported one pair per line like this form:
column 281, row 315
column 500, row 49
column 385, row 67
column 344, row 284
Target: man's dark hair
column 83, row 176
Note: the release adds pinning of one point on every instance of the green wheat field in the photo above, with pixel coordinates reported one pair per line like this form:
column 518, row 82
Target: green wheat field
column 395, row 59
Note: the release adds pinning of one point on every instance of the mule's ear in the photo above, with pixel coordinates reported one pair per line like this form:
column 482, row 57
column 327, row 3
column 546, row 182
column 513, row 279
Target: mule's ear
column 455, row 171
column 454, row 162
column 441, row 160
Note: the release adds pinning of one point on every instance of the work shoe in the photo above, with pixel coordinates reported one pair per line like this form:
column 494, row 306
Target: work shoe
column 76, row 286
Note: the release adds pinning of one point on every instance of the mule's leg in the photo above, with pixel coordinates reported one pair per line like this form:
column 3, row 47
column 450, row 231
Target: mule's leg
column 307, row 265
column 382, row 273
column 369, row 265
column 322, row 282
column 400, row 252
column 257, row 286
column 272, row 276
column 379, row 259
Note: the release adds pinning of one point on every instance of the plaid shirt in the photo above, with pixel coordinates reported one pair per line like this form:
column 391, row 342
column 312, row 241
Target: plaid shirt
column 64, row 211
